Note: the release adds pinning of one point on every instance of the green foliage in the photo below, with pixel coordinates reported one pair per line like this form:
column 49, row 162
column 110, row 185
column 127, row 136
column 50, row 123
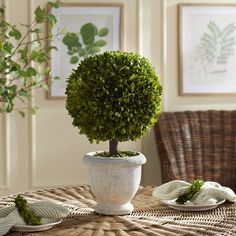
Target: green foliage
column 192, row 190
column 85, row 43
column 18, row 52
column 25, row 212
column 103, row 32
column 216, row 46
column 114, row 96
column 119, row 154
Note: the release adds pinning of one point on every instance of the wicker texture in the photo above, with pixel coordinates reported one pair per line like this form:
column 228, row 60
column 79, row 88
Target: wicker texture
column 150, row 216
column 198, row 144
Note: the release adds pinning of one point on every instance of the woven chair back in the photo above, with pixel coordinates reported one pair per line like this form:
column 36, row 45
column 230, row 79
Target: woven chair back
column 198, row 144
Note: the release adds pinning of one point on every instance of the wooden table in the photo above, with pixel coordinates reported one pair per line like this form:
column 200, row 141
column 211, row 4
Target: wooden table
column 150, row 216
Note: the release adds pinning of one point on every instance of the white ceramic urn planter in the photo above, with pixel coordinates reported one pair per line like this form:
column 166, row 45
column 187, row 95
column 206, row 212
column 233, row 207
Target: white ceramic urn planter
column 114, row 182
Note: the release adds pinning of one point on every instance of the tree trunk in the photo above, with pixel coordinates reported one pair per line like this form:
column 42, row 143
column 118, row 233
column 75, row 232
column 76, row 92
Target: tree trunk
column 113, row 147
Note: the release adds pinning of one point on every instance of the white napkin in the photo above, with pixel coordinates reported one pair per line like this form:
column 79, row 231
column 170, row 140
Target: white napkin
column 210, row 192
column 9, row 216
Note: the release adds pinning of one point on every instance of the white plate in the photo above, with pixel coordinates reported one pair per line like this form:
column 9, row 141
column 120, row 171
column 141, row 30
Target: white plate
column 186, row 207
column 46, row 224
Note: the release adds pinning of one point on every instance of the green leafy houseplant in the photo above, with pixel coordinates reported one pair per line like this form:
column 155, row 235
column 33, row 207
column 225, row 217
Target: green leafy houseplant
column 114, row 96
column 19, row 53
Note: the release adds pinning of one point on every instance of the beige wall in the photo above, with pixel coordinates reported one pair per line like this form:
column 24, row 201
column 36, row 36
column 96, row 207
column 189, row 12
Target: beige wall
column 160, row 44
column 45, row 150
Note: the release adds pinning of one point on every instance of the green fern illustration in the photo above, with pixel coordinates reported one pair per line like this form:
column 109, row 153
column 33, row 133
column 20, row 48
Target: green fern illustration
column 215, row 47
column 85, row 43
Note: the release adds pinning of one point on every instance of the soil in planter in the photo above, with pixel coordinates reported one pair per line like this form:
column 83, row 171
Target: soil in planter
column 119, row 154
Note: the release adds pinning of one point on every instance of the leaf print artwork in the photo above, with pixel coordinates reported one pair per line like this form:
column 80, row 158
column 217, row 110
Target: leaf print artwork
column 87, row 42
column 215, row 48
column 85, row 30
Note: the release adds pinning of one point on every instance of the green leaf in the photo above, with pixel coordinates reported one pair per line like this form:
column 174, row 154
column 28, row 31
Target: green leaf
column 15, row 33
column 2, row 90
column 34, row 110
column 2, row 82
column 10, row 106
column 52, row 19
column 57, row 78
column 74, row 60
column 49, row 48
column 82, row 52
column 47, row 71
column 7, row 47
column 71, row 40
column 123, row 131
column 55, row 4
column 11, row 90
column 44, row 86
column 94, row 50
column 100, row 43
column 88, row 32
column 24, row 93
column 1, row 45
column 39, row 56
column 70, row 52
column 24, row 54
column 3, row 64
column 39, row 14
column 103, row 32
column 22, row 114
column 31, row 72
column 14, row 67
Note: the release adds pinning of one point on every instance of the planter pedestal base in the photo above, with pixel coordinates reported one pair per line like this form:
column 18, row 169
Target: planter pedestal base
column 114, row 209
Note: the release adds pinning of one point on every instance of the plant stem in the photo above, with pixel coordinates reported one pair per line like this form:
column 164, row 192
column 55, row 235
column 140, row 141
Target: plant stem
column 33, row 24
column 31, row 27
column 113, row 147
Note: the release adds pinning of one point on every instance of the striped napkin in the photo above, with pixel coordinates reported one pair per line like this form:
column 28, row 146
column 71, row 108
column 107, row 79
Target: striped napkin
column 210, row 192
column 9, row 215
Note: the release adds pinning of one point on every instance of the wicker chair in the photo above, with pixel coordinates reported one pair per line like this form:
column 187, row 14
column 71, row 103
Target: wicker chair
column 198, row 144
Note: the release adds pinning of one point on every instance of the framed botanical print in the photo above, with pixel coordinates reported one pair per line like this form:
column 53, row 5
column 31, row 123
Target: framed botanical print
column 84, row 30
column 207, row 49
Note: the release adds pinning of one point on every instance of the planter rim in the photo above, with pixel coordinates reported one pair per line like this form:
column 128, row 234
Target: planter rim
column 138, row 159
column 92, row 155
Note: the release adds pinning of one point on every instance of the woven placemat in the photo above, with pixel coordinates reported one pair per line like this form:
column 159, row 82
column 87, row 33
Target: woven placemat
column 150, row 217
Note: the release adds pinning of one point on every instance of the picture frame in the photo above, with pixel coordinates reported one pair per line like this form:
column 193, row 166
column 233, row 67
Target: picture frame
column 98, row 28
column 207, row 49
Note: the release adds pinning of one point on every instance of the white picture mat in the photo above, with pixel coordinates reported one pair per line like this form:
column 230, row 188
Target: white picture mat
column 193, row 25
column 72, row 18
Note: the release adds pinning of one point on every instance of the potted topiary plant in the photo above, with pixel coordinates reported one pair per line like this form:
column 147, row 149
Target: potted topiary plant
column 114, row 96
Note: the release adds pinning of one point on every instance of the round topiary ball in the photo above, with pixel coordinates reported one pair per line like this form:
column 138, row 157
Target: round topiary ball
column 114, row 96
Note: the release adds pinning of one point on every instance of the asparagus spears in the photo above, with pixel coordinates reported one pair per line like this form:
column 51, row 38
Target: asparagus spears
column 25, row 212
column 193, row 189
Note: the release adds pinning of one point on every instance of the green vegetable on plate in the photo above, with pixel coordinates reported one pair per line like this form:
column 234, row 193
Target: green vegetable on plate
column 29, row 217
column 192, row 190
